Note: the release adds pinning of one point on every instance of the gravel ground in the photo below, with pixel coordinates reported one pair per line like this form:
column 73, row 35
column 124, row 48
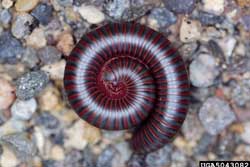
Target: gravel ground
column 39, row 129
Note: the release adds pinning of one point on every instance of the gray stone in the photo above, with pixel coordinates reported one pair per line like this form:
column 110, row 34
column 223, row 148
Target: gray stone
column 10, row 48
column 245, row 20
column 5, row 17
column 204, row 143
column 23, row 110
column 88, row 158
column 77, row 158
column 24, row 148
column 88, row 2
column 178, row 159
column 203, row 70
column 106, row 157
column 43, row 13
column 49, row 55
column 65, row 2
column 209, row 18
column 30, row 84
column 124, row 153
column 188, row 50
column 161, row 157
column 137, row 160
column 163, row 16
column 47, row 120
column 225, row 146
column 215, row 115
column 30, row 57
column 241, row 92
column 73, row 158
column 52, row 163
column 22, row 25
column 126, row 10
column 180, row 6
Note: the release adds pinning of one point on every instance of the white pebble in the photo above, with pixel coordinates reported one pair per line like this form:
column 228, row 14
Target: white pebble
column 23, row 110
column 92, row 14
column 214, row 6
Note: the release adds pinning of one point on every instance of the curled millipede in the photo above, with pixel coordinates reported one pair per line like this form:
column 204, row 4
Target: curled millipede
column 125, row 75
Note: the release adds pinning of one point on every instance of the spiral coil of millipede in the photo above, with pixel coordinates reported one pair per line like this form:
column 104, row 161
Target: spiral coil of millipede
column 125, row 75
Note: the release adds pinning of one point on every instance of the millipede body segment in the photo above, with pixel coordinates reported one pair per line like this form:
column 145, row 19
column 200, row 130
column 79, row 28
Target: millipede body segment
column 126, row 75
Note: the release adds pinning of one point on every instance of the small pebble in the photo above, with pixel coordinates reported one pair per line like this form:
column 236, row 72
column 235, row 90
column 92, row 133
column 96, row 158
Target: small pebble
column 116, row 8
column 225, row 147
column 180, row 6
column 228, row 45
column 21, row 25
column 43, row 13
column 106, row 157
column 23, row 110
column 57, row 137
column 30, row 57
column 65, row 43
column 51, row 163
column 214, row 6
column 240, row 93
column 25, row 5
column 188, row 50
column 88, row 158
column 216, row 115
column 5, row 17
column 245, row 136
column 192, row 122
column 178, row 159
column 209, row 18
column 85, row 133
column 12, row 126
column 113, row 135
column 49, row 99
column 7, row 95
column 47, row 120
column 71, row 15
column 65, row 2
column 190, row 30
column 204, row 144
column 10, row 48
column 203, row 64
column 57, row 153
column 245, row 20
column 23, row 146
column 49, row 55
column 1, row 29
column 37, row 39
column 39, row 137
column 163, row 16
column 73, row 158
column 243, row 3
column 31, row 84
column 125, row 10
column 80, row 29
column 161, row 157
column 137, row 160
column 7, row 3
column 92, row 14
column 55, row 70
column 8, row 158
column 124, row 154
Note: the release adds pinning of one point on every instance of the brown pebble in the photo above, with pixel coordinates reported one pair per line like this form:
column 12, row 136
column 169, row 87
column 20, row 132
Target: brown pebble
column 7, row 95
column 243, row 3
column 66, row 43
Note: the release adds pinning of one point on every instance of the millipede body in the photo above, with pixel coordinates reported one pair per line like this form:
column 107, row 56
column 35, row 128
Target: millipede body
column 125, row 75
